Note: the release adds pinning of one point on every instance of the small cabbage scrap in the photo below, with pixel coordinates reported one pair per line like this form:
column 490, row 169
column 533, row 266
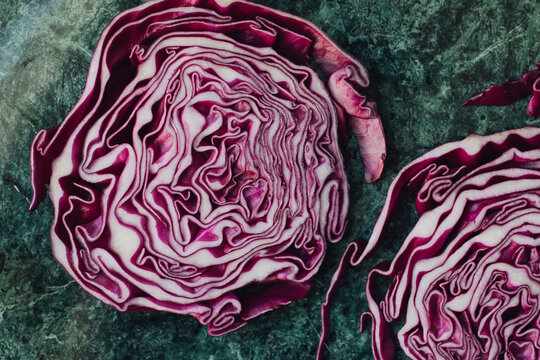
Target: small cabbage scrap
column 466, row 280
column 509, row 92
column 200, row 172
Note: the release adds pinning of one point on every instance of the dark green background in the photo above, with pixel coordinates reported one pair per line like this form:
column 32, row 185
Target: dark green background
column 425, row 59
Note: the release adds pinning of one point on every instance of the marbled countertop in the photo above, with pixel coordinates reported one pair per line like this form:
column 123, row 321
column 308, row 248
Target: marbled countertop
column 425, row 57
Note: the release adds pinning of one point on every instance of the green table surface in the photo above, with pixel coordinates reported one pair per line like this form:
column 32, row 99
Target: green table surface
column 425, row 59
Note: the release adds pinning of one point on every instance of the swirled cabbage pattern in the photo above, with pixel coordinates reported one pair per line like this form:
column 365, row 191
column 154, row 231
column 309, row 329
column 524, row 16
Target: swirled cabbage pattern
column 466, row 280
column 200, row 172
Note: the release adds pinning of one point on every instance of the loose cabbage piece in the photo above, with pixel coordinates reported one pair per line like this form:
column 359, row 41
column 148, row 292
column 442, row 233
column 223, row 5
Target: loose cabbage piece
column 200, row 171
column 510, row 92
column 466, row 281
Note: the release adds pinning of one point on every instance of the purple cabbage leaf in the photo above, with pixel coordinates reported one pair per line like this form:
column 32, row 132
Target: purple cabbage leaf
column 510, row 92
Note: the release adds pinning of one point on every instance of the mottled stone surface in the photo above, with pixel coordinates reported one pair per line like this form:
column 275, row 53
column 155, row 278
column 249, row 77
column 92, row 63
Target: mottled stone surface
column 425, row 59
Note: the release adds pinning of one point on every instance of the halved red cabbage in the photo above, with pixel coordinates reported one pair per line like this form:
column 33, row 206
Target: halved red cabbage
column 200, row 171
column 509, row 92
column 466, row 281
